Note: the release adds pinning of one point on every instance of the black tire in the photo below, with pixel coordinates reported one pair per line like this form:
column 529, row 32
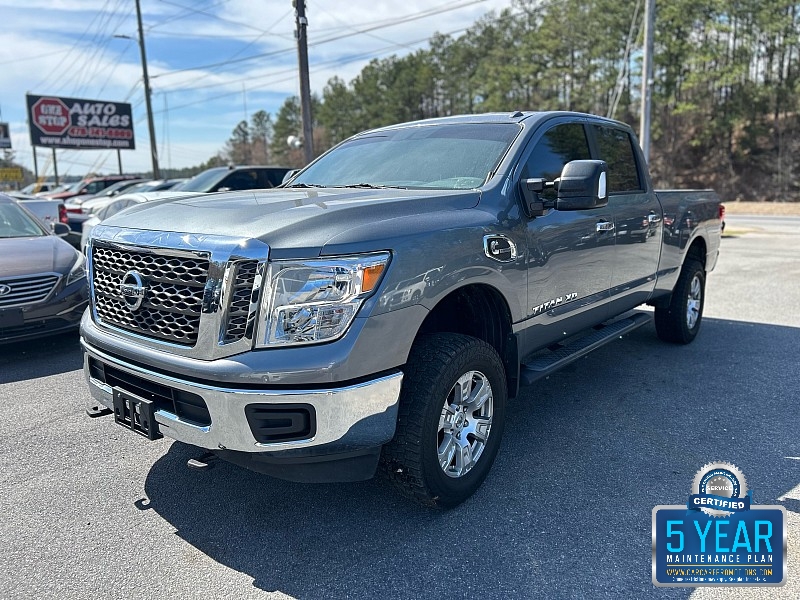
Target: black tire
column 673, row 321
column 411, row 460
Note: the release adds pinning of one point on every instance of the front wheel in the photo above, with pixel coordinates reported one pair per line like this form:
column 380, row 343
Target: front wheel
column 451, row 418
column 679, row 321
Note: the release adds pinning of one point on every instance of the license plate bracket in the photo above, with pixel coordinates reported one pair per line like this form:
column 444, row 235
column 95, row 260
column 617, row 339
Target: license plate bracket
column 136, row 413
column 11, row 317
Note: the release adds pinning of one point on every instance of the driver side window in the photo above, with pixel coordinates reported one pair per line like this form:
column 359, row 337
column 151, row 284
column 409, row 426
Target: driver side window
column 558, row 146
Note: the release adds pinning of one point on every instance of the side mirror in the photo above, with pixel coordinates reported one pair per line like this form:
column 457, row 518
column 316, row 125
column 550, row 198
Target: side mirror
column 582, row 185
column 61, row 229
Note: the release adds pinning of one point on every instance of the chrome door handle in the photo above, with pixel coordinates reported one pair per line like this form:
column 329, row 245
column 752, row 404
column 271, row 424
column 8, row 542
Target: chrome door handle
column 605, row 226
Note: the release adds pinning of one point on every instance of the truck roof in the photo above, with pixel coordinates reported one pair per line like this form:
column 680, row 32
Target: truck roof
column 496, row 117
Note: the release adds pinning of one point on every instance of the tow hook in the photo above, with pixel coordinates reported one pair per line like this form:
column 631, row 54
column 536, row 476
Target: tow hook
column 203, row 462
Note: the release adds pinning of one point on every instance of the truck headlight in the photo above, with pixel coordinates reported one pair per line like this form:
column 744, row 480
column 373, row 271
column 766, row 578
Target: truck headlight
column 313, row 301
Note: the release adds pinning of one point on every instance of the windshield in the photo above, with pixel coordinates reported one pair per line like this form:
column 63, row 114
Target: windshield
column 202, row 182
column 114, row 207
column 145, row 186
column 452, row 156
column 15, row 222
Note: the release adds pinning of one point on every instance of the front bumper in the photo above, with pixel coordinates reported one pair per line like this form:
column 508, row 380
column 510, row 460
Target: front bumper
column 350, row 419
column 60, row 313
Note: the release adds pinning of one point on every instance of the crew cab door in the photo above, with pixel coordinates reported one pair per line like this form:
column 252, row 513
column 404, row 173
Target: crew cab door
column 570, row 253
column 637, row 215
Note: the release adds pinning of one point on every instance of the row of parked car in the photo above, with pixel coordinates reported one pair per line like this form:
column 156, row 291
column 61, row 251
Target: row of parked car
column 43, row 286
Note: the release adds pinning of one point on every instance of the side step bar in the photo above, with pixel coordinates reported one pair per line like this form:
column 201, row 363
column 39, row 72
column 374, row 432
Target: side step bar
column 545, row 363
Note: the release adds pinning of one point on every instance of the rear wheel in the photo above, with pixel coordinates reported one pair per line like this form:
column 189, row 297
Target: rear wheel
column 452, row 412
column 679, row 321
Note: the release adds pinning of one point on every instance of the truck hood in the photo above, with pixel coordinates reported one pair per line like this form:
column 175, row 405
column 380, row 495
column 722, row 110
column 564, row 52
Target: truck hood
column 289, row 218
column 27, row 256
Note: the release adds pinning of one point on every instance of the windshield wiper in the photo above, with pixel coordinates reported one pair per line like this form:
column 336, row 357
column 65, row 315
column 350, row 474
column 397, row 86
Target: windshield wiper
column 371, row 186
column 306, row 185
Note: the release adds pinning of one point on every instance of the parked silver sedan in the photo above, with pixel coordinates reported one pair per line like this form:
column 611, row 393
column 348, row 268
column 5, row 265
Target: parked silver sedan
column 43, row 288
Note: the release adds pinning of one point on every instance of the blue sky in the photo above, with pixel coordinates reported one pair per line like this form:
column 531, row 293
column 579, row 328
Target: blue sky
column 204, row 81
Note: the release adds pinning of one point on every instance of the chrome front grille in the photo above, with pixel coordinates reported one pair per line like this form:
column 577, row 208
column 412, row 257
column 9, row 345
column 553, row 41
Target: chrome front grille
column 198, row 293
column 174, row 288
column 26, row 290
column 244, row 297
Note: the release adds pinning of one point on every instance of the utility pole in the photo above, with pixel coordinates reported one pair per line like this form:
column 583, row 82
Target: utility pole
column 150, row 124
column 647, row 76
column 305, row 87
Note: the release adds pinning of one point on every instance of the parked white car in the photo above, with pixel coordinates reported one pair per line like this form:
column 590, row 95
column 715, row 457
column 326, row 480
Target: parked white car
column 111, row 206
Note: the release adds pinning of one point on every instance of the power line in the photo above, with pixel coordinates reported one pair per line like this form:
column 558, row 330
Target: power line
column 353, row 28
column 213, row 16
column 183, row 15
column 315, row 68
column 400, row 21
column 46, row 78
column 104, row 38
column 215, row 36
column 263, row 33
column 46, row 54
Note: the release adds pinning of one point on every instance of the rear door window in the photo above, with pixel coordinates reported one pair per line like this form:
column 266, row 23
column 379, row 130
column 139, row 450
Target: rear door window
column 240, row 180
column 616, row 148
column 273, row 177
column 94, row 187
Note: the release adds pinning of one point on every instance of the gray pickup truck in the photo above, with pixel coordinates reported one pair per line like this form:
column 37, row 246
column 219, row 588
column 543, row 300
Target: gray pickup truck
column 381, row 307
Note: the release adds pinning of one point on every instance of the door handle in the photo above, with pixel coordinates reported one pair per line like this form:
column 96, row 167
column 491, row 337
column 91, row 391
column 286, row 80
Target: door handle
column 605, row 226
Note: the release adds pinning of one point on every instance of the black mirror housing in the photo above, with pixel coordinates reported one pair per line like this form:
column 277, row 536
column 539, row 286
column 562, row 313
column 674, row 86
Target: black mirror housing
column 583, row 185
column 61, row 229
column 530, row 190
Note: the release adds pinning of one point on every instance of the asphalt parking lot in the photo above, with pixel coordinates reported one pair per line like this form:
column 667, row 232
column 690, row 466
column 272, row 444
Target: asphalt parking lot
column 93, row 511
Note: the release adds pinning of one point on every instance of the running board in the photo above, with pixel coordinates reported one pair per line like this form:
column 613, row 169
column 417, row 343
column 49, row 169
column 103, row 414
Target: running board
column 543, row 365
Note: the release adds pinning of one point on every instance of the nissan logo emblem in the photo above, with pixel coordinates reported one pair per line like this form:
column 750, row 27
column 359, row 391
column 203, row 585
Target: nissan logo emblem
column 132, row 290
column 5, row 290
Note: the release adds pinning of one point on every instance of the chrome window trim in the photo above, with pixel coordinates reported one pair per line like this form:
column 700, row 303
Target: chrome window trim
column 223, row 254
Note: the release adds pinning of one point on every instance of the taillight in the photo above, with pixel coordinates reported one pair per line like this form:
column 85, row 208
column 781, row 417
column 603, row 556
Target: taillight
column 721, row 212
column 62, row 214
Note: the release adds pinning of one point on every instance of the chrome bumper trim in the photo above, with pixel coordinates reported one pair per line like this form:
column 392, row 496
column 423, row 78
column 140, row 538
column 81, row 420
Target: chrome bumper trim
column 352, row 417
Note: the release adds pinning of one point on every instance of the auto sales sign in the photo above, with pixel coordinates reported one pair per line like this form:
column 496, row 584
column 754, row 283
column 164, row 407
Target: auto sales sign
column 76, row 123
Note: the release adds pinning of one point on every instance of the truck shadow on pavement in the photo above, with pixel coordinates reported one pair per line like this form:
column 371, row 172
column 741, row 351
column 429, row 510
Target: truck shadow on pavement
column 566, row 510
column 40, row 357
